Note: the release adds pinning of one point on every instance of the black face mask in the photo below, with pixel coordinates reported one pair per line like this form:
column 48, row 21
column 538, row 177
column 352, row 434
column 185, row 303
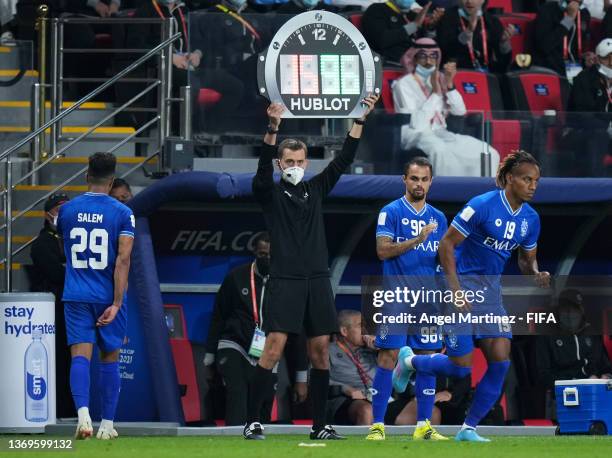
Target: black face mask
column 263, row 265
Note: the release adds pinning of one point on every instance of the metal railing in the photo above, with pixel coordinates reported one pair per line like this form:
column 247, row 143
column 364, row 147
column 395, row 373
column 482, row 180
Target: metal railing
column 41, row 158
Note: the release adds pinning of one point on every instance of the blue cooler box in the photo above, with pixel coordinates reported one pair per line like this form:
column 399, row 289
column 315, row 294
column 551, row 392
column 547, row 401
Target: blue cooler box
column 584, row 406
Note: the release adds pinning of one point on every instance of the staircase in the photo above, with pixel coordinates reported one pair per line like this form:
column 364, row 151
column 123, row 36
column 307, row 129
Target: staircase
column 15, row 125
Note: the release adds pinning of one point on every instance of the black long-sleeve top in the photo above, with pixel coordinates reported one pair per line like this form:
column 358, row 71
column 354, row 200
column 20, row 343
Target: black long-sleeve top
column 49, row 263
column 384, row 31
column 447, row 36
column 570, row 357
column 294, row 214
column 550, row 33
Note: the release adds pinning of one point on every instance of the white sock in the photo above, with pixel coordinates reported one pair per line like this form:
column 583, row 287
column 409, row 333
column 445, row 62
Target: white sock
column 83, row 414
column 420, row 424
column 106, row 425
column 466, row 426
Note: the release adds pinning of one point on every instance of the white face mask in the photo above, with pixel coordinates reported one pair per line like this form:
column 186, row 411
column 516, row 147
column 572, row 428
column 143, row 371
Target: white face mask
column 293, row 175
column 424, row 72
column 605, row 71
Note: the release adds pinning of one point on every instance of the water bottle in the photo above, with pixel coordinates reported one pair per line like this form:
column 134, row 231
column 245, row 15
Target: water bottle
column 36, row 370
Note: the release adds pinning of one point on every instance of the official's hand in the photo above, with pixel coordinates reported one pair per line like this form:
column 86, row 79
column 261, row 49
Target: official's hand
column 450, row 70
column 300, row 392
column 370, row 101
column 102, row 9
column 195, row 58
column 420, row 17
column 508, row 33
column 368, row 341
column 275, row 112
column 107, row 316
column 542, row 279
column 180, row 61
column 426, row 231
column 572, row 9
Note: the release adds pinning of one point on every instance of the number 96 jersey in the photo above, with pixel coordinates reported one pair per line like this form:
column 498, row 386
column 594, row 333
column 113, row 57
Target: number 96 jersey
column 90, row 226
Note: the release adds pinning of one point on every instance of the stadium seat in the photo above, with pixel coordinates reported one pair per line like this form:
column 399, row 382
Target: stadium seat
column 387, row 96
column 356, row 20
column 607, row 327
column 481, row 94
column 184, row 363
column 538, row 90
column 503, row 5
column 208, row 97
column 522, row 41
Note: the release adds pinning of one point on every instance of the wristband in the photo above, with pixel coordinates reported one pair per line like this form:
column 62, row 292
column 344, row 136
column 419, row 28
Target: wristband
column 359, row 122
column 271, row 130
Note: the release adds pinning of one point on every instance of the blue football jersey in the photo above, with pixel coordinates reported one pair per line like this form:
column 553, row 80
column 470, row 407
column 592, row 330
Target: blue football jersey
column 90, row 226
column 400, row 221
column 493, row 230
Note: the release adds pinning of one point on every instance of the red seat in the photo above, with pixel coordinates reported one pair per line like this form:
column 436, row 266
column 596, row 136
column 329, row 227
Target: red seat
column 522, row 40
column 387, row 96
column 356, row 20
column 185, row 367
column 505, row 5
column 208, row 97
column 506, row 135
column 607, row 329
column 538, row 90
column 480, row 91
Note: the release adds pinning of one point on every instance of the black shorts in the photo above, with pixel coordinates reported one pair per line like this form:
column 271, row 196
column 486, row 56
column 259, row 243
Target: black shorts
column 296, row 305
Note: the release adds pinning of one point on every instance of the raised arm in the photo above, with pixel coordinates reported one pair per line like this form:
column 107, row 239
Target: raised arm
column 263, row 181
column 386, row 248
column 327, row 179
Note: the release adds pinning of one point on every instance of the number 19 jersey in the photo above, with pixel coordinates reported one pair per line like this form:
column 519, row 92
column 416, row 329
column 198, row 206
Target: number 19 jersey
column 90, row 226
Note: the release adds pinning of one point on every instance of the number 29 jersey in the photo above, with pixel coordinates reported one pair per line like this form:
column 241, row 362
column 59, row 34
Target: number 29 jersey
column 90, row 226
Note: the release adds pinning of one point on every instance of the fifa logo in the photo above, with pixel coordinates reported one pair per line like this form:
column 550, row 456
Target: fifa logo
column 524, row 227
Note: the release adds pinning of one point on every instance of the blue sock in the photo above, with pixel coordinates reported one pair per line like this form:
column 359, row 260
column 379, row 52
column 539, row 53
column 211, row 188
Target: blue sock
column 487, row 392
column 425, row 388
column 111, row 386
column 382, row 385
column 439, row 364
column 79, row 381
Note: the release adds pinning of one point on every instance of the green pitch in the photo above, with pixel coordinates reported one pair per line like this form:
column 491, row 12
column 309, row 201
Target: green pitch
column 354, row 447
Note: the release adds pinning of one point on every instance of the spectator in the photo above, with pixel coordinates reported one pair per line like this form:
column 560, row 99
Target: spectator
column 236, row 322
column 474, row 38
column 391, row 27
column 48, row 272
column 121, row 190
column 429, row 96
column 597, row 8
column 184, row 58
column 590, row 99
column 573, row 354
column 351, row 371
column 558, row 45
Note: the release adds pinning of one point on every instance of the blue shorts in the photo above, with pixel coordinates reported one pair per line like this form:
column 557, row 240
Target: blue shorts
column 81, row 325
column 459, row 338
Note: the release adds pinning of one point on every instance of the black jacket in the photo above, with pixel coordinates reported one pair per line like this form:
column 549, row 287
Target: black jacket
column 447, row 36
column 589, row 97
column 570, row 357
column 294, row 214
column 549, row 35
column 384, row 31
column 49, row 263
column 233, row 313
